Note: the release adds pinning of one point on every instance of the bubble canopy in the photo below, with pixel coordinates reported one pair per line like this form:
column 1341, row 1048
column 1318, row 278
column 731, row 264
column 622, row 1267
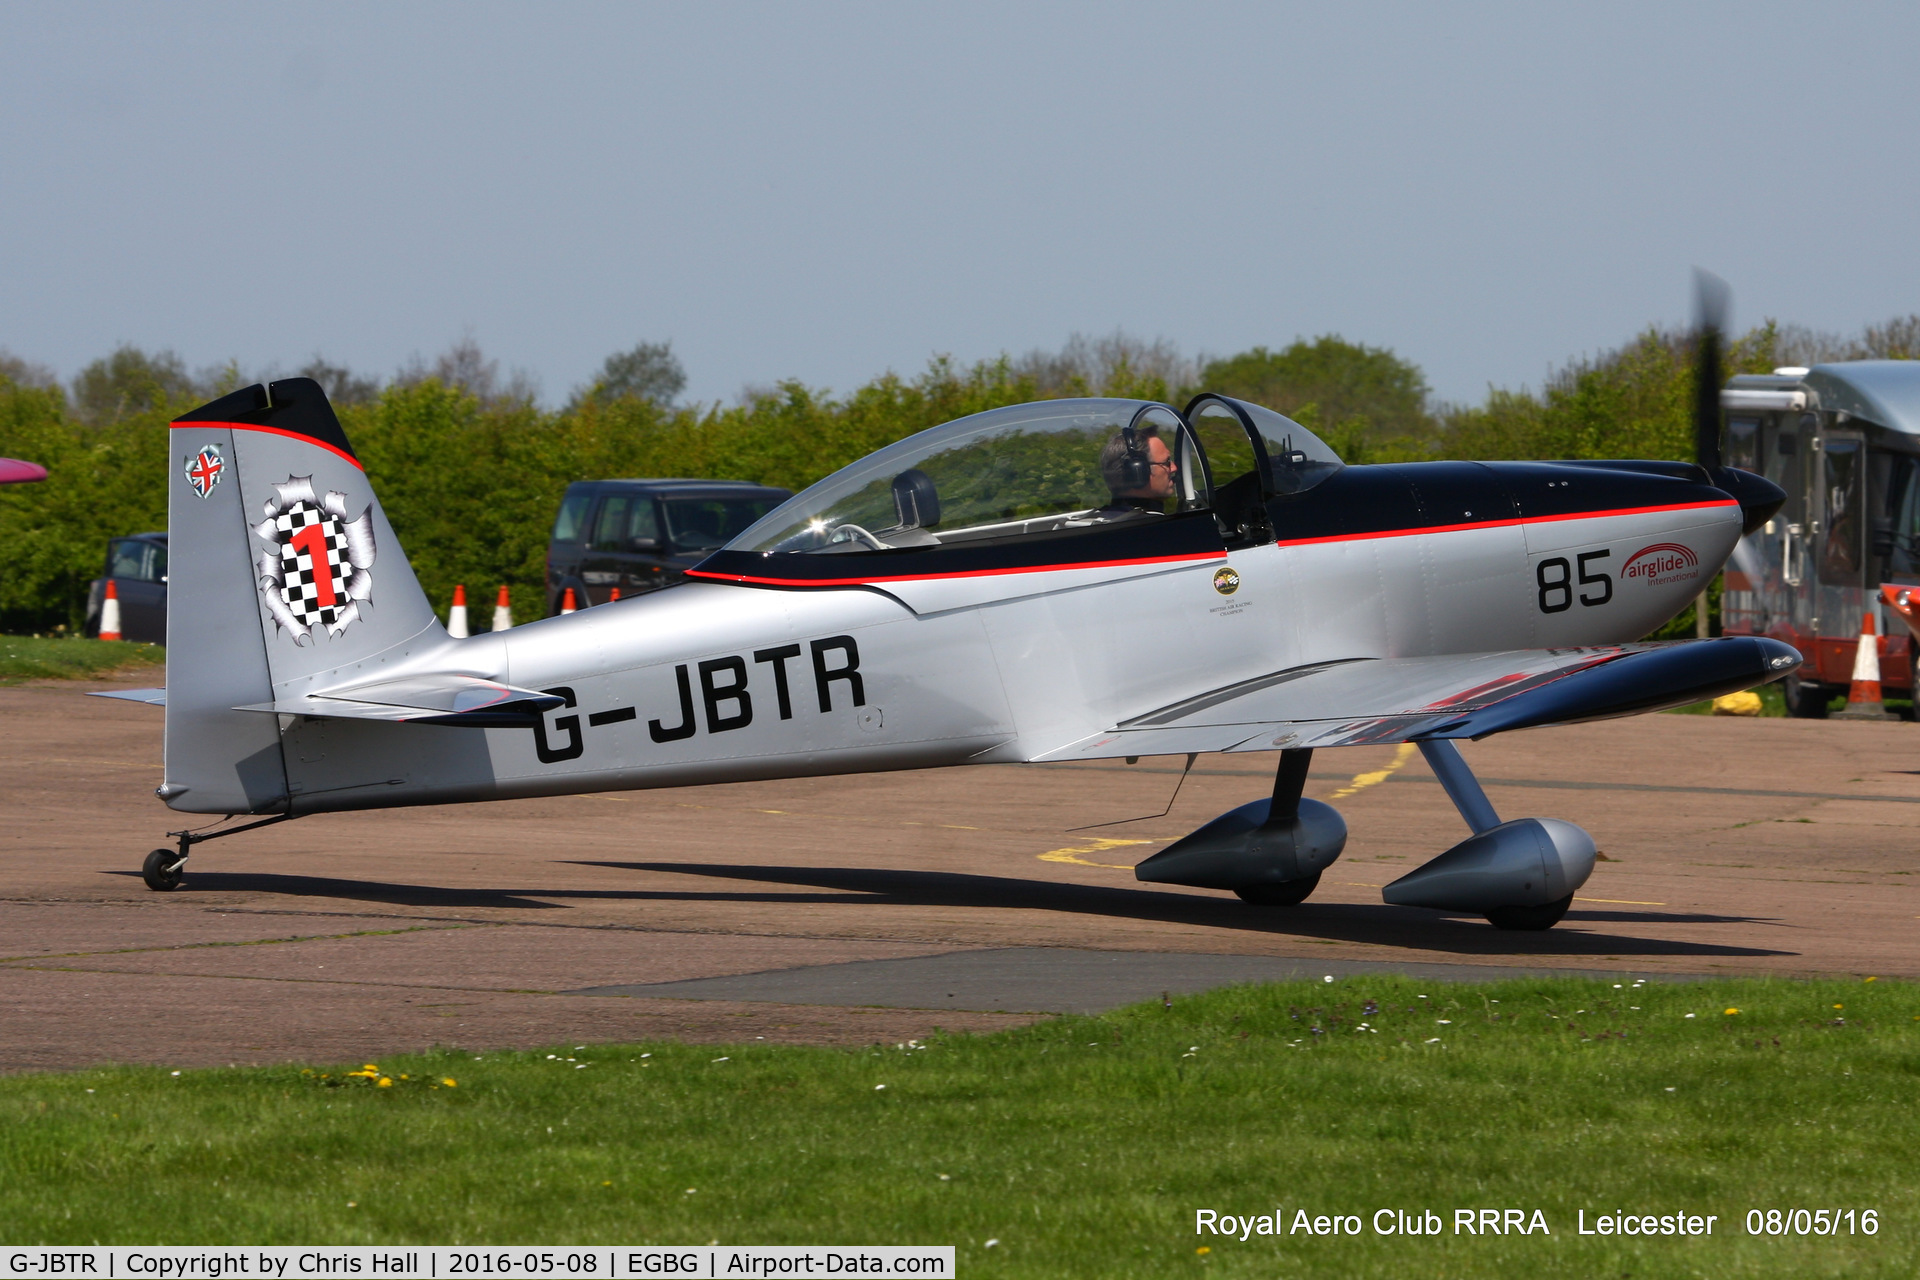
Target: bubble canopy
column 1021, row 472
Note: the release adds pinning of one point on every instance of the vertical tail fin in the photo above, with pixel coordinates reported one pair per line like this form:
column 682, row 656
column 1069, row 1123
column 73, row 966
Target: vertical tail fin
column 282, row 571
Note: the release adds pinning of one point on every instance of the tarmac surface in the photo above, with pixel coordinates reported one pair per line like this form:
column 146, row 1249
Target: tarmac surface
column 883, row 906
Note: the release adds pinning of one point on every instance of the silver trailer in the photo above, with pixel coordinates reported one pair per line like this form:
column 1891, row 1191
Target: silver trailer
column 1843, row 441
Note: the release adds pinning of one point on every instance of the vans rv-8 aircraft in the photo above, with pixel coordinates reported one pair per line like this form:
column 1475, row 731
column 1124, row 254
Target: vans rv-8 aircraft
column 1067, row 580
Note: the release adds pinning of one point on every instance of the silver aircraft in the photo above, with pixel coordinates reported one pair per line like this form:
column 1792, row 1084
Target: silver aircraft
column 1067, row 580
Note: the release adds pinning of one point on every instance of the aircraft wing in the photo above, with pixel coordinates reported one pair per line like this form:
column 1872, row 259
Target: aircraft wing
column 1368, row 700
column 431, row 699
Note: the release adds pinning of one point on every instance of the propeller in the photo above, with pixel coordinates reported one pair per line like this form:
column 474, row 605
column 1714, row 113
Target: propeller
column 1710, row 304
column 1759, row 498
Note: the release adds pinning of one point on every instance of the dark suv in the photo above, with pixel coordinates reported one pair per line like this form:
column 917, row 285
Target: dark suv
column 641, row 535
column 138, row 568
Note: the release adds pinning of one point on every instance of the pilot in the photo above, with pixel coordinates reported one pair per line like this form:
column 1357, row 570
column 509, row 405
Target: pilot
column 1139, row 470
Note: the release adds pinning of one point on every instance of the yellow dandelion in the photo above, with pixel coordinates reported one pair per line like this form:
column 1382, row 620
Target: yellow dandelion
column 405, row 1076
column 447, row 1081
column 386, row 1082
column 1839, row 1006
column 1873, row 979
column 1203, row 1249
column 370, row 1067
column 1731, row 1012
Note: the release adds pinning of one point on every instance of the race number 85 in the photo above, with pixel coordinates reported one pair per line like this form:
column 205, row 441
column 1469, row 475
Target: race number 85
column 1556, row 581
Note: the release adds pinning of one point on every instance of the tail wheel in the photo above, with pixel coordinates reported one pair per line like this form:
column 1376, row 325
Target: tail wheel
column 1287, row 893
column 162, row 870
column 1531, row 919
column 1806, row 699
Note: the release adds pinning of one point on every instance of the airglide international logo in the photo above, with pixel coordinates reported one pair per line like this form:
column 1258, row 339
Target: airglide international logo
column 1660, row 564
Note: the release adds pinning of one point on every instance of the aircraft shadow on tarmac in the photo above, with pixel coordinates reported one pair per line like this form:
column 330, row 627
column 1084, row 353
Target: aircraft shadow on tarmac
column 400, row 895
column 1338, row 921
column 849, row 886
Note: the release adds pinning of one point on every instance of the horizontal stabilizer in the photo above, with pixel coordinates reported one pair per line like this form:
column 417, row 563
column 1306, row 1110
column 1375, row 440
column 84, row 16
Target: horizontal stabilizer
column 152, row 697
column 434, row 699
column 1469, row 695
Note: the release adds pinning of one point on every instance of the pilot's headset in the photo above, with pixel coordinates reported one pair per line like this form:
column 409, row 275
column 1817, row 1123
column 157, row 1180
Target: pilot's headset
column 1136, row 465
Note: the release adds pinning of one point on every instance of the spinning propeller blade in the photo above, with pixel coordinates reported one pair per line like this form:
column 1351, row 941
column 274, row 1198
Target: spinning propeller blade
column 1710, row 318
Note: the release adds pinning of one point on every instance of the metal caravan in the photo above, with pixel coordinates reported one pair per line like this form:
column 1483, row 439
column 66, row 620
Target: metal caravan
column 1843, row 441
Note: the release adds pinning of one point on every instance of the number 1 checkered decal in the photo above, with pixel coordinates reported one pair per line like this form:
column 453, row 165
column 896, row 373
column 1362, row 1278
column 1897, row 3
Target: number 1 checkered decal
column 317, row 571
column 313, row 562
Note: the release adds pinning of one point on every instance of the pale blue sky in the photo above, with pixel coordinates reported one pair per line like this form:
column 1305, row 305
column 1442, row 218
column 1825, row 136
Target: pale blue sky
column 826, row 191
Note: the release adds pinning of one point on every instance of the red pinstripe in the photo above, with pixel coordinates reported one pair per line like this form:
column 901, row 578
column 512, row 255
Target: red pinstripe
column 1204, row 555
column 272, row 431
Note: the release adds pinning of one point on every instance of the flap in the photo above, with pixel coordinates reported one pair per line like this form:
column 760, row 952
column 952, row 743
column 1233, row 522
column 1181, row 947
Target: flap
column 1362, row 701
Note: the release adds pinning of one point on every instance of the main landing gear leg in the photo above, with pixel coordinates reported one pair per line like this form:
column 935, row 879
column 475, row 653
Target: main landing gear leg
column 1519, row 875
column 1283, row 811
column 1270, row 852
column 164, row 869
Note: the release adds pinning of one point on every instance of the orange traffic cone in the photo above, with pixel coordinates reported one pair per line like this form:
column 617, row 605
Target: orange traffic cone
column 567, row 605
column 110, row 614
column 457, row 616
column 1863, row 699
column 615, row 596
column 502, row 611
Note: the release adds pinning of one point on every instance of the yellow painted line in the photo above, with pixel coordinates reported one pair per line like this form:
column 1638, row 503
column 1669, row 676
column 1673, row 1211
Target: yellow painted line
column 1361, row 884
column 1623, row 902
column 1364, row 780
column 1099, row 844
column 1072, row 854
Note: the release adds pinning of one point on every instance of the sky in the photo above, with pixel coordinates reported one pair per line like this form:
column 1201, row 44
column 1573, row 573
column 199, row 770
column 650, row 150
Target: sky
column 828, row 191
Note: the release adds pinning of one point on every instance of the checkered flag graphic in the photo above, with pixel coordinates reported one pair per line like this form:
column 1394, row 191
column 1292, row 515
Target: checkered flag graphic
column 313, row 584
column 316, row 571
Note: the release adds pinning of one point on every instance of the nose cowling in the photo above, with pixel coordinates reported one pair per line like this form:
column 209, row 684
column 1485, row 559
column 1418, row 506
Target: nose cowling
column 1760, row 499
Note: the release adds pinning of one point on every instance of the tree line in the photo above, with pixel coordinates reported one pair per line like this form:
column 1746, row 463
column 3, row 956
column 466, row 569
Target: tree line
column 470, row 467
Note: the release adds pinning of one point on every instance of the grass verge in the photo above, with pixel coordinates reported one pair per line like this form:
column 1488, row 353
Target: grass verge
column 1082, row 1146
column 48, row 658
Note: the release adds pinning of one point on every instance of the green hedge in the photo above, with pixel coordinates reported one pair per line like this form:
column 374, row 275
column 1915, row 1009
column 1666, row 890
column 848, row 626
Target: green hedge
column 471, row 486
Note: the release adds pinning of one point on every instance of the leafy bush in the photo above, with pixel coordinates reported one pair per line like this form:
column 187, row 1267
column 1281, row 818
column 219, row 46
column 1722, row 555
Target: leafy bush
column 471, row 474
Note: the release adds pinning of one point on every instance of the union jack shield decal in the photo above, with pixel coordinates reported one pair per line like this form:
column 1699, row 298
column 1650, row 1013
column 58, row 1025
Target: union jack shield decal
column 205, row 468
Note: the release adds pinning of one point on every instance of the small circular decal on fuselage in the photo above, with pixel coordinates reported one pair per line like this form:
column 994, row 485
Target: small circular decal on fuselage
column 1226, row 581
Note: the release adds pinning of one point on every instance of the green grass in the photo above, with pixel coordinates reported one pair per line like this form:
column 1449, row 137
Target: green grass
column 1083, row 1145
column 64, row 658
column 1773, row 702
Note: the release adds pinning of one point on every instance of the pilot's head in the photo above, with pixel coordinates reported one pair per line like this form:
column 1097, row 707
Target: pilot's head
column 1136, row 463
